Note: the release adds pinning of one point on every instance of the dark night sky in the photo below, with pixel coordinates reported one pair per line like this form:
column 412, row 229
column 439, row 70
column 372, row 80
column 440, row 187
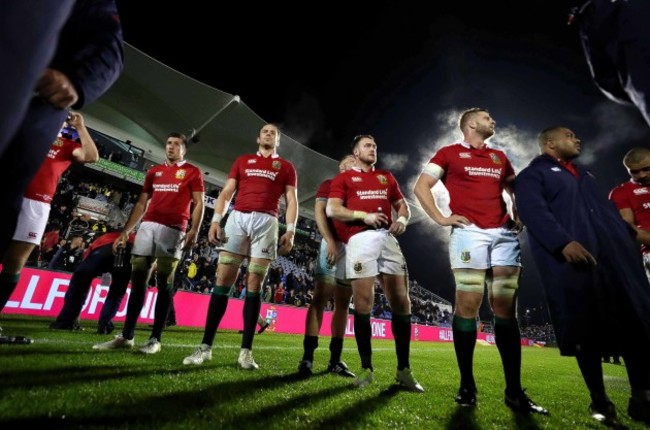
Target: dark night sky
column 326, row 71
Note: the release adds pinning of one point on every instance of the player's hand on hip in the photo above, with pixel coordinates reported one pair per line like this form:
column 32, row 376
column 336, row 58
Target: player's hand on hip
column 455, row 220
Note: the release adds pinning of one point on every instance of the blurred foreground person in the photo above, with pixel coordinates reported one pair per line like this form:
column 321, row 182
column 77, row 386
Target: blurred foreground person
column 616, row 42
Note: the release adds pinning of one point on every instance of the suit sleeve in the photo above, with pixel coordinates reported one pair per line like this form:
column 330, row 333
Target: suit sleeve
column 535, row 211
column 90, row 50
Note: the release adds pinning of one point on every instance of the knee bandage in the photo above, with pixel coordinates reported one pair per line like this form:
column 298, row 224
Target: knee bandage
column 505, row 286
column 229, row 259
column 470, row 281
column 258, row 269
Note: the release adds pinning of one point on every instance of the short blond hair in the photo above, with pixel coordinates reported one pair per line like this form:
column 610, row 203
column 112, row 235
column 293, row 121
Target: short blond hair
column 467, row 115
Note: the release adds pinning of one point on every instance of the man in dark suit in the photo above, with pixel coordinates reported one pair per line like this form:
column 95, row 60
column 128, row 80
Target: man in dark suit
column 591, row 269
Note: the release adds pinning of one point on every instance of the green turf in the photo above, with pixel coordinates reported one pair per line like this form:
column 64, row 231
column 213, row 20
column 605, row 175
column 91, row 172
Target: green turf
column 59, row 381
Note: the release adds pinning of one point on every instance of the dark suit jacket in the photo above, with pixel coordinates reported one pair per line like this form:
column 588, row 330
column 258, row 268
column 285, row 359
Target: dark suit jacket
column 584, row 301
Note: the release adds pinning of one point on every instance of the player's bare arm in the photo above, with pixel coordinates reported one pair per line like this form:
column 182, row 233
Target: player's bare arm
column 403, row 216
column 220, row 206
column 517, row 225
column 320, row 215
column 88, row 152
column 197, row 218
column 136, row 215
column 423, row 194
column 291, row 216
column 642, row 236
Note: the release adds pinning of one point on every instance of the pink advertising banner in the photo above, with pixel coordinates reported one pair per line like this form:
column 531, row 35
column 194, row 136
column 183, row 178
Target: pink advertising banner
column 41, row 293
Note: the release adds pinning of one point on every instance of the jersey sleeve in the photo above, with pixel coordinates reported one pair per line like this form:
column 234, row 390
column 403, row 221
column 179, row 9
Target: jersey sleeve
column 234, row 170
column 395, row 192
column 292, row 176
column 323, row 191
column 440, row 159
column 337, row 187
column 147, row 187
column 197, row 183
column 509, row 171
column 619, row 197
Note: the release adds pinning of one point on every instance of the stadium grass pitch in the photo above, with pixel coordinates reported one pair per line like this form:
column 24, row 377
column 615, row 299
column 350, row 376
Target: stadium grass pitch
column 59, row 382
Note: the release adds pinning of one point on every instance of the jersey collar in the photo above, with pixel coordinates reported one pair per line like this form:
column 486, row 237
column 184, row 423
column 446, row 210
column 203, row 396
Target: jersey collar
column 470, row 147
column 177, row 164
column 360, row 170
column 274, row 155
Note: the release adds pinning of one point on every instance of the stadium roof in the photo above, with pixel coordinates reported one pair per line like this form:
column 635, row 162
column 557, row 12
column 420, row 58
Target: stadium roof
column 150, row 99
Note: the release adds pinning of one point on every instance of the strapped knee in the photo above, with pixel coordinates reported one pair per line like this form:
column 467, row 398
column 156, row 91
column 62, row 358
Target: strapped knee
column 229, row 259
column 470, row 281
column 505, row 286
column 258, row 269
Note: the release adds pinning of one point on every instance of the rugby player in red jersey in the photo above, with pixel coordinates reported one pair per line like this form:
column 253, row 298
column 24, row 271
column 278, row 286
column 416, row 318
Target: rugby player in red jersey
column 251, row 231
column 483, row 249
column 632, row 198
column 37, row 200
column 364, row 198
column 329, row 279
column 170, row 190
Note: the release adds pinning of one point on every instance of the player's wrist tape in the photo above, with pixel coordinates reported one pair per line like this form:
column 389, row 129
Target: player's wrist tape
column 291, row 227
column 217, row 217
column 403, row 220
column 359, row 215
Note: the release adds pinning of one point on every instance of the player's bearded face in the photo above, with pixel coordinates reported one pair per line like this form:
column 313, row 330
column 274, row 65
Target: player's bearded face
column 485, row 130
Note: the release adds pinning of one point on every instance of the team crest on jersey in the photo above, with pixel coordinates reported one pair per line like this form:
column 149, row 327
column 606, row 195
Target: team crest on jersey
column 58, row 142
column 464, row 155
column 356, row 179
column 640, row 191
column 276, row 165
column 180, row 174
column 495, row 158
column 382, row 179
column 358, row 267
column 465, row 257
